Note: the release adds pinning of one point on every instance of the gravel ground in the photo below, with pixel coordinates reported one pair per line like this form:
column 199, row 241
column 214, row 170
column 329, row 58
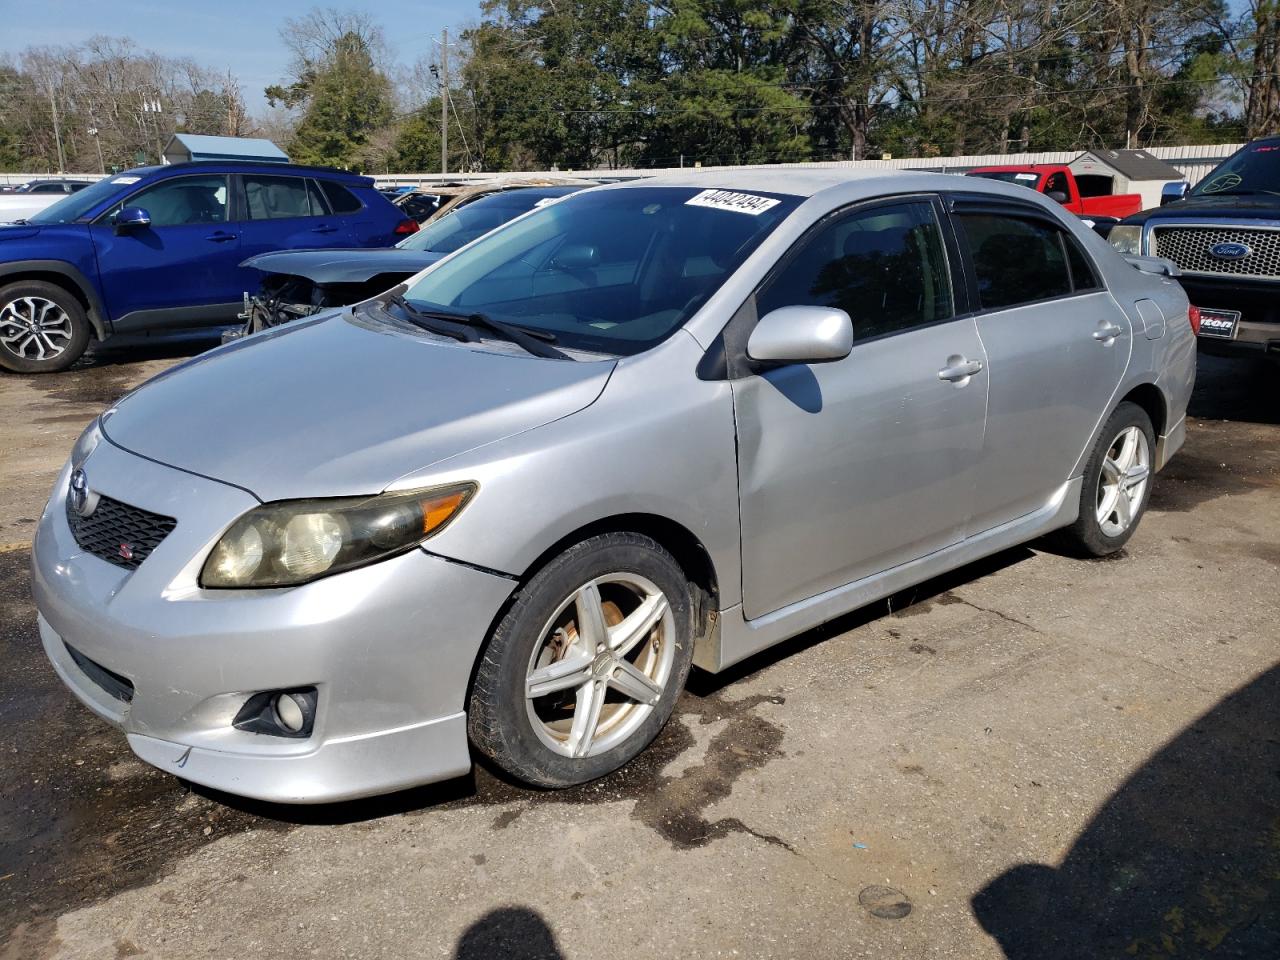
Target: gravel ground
column 1033, row 757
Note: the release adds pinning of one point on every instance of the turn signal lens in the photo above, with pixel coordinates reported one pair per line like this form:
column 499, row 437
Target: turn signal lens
column 291, row 542
column 1193, row 314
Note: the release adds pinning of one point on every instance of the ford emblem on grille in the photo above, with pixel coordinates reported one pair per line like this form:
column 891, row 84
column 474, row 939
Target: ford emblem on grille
column 82, row 500
column 1230, row 251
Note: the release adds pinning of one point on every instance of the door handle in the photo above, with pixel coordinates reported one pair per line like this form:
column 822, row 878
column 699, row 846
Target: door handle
column 324, row 228
column 220, row 237
column 958, row 369
column 1109, row 332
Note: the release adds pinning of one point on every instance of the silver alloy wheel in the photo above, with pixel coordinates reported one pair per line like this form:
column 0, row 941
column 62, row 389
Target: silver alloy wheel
column 34, row 328
column 1126, row 470
column 600, row 665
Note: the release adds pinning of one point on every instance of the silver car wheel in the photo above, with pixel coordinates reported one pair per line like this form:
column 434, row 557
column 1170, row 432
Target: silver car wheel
column 1122, row 483
column 34, row 328
column 600, row 665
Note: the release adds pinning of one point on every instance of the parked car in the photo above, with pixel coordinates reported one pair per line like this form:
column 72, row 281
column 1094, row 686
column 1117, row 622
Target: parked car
column 33, row 196
column 298, row 283
column 1222, row 235
column 1059, row 184
column 160, row 248
column 507, row 508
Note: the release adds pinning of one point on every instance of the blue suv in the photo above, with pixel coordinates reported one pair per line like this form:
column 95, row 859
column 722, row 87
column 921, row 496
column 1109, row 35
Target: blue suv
column 161, row 248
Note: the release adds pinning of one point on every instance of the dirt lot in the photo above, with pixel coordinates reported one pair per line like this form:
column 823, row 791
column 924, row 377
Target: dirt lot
column 1033, row 758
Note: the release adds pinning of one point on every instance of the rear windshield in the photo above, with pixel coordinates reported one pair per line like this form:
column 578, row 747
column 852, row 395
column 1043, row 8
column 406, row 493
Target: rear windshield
column 460, row 227
column 614, row 271
column 1023, row 177
column 1255, row 169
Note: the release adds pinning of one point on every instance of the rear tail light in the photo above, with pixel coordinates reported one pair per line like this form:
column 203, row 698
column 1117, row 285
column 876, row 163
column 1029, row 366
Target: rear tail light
column 1193, row 314
column 406, row 227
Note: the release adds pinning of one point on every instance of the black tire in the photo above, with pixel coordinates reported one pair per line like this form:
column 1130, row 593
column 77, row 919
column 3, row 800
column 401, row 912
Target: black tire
column 497, row 719
column 1086, row 537
column 21, row 357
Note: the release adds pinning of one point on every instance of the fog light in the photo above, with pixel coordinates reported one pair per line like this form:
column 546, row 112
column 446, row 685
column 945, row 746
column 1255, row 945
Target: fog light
column 279, row 713
column 289, row 713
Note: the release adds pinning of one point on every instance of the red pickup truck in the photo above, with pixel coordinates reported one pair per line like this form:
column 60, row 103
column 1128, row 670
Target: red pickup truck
column 1058, row 183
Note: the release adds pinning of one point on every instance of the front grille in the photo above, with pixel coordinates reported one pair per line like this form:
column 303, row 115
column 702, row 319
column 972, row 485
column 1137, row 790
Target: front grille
column 121, row 688
column 119, row 533
column 1188, row 247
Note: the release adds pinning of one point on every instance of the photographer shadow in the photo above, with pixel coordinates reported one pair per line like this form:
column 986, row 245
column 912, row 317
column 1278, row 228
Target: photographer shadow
column 1183, row 860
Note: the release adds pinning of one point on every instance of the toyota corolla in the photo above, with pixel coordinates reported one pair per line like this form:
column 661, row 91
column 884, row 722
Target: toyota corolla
column 502, row 510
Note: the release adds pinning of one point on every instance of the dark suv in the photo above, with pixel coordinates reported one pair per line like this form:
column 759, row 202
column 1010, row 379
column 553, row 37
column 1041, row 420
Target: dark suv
column 160, row 248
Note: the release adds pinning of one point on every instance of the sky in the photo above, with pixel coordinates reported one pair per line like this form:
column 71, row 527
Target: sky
column 242, row 35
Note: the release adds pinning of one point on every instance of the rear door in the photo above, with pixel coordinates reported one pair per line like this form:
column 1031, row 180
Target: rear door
column 1057, row 347
column 849, row 468
column 280, row 212
column 182, row 269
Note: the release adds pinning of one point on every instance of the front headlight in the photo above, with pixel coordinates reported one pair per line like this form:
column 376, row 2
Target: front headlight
column 1126, row 239
column 291, row 542
column 86, row 443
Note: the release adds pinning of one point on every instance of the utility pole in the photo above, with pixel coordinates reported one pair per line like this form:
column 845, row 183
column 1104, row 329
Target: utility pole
column 444, row 103
column 57, row 134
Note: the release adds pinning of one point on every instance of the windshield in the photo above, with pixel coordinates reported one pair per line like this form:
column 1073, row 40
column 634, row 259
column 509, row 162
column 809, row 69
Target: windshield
column 1011, row 176
column 1255, row 169
column 456, row 229
column 75, row 205
column 614, row 271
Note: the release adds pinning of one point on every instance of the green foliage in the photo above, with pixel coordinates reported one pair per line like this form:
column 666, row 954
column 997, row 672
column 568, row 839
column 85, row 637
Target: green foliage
column 347, row 101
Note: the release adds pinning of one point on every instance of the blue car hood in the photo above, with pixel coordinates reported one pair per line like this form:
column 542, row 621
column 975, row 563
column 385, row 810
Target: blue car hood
column 336, row 406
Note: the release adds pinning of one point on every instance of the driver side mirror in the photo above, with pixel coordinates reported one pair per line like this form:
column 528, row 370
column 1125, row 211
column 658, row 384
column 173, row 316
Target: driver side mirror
column 801, row 335
column 1057, row 196
column 131, row 218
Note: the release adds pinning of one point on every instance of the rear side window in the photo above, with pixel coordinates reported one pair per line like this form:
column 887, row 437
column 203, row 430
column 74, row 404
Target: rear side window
column 275, row 198
column 1015, row 261
column 1082, row 274
column 340, row 198
column 885, row 267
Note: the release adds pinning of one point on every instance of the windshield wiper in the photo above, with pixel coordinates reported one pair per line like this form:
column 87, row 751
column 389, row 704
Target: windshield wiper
column 536, row 342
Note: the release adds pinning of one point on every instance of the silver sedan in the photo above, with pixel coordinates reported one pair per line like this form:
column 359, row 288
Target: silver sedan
column 504, row 508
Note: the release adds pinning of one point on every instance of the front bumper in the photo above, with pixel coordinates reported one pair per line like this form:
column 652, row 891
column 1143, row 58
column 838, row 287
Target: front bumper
column 389, row 648
column 1258, row 301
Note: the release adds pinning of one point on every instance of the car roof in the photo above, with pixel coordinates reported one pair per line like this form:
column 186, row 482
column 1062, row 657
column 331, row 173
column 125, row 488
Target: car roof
column 796, row 183
column 515, row 196
column 345, row 177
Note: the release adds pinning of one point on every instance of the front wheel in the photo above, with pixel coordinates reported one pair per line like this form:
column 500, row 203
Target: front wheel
column 1117, row 484
column 586, row 666
column 43, row 328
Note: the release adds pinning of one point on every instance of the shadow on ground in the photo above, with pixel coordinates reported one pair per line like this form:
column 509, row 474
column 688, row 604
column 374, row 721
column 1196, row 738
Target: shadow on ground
column 1183, row 861
column 511, row 933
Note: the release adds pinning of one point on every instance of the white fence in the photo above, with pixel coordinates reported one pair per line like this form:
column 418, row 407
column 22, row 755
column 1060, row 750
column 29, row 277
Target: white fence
column 1193, row 162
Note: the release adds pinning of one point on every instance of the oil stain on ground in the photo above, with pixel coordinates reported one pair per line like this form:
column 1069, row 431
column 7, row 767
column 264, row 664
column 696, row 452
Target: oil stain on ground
column 80, row 818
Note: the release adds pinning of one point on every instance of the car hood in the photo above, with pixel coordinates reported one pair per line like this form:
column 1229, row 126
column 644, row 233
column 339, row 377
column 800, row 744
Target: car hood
column 1252, row 207
column 354, row 265
column 335, row 406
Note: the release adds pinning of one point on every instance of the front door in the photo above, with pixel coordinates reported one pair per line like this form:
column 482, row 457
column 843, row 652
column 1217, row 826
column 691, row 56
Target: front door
column 1057, row 347
column 849, row 468
column 179, row 271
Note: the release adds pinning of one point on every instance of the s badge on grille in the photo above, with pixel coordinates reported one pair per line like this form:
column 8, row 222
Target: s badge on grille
column 82, row 500
column 1230, row 251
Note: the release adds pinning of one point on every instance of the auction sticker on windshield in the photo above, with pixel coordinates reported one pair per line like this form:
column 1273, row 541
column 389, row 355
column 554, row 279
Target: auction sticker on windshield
column 728, row 200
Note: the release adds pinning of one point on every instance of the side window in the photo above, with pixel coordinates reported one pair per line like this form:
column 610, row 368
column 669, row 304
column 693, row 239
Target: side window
column 1015, row 261
column 886, row 267
column 341, row 199
column 275, row 198
column 1082, row 273
column 182, row 200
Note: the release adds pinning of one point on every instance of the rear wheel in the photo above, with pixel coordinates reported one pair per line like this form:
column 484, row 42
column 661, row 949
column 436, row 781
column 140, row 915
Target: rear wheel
column 586, row 666
column 43, row 328
column 1117, row 484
